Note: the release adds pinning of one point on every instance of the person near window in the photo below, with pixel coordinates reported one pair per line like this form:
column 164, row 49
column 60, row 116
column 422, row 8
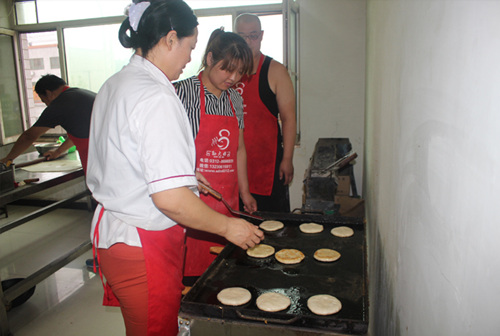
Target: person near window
column 269, row 99
column 141, row 171
column 68, row 107
column 215, row 112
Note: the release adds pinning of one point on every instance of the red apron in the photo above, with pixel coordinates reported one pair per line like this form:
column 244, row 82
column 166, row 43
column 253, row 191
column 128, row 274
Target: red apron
column 82, row 145
column 261, row 132
column 163, row 254
column 216, row 154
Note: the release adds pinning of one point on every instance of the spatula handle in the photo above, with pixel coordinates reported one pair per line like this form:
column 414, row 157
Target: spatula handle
column 210, row 190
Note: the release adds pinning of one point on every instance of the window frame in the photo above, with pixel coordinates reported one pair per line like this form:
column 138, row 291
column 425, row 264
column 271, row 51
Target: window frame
column 20, row 88
column 286, row 8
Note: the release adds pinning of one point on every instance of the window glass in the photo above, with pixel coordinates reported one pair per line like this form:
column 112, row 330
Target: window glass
column 198, row 4
column 54, row 63
column 35, row 47
column 272, row 41
column 63, row 10
column 206, row 26
column 25, row 12
column 36, row 63
column 93, row 54
column 10, row 107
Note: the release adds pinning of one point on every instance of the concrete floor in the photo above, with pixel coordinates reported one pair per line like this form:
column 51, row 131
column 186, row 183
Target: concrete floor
column 69, row 301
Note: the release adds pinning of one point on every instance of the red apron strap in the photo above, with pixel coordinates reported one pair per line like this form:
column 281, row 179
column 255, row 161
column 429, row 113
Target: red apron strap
column 95, row 243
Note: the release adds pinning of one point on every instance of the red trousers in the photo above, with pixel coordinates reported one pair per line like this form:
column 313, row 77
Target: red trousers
column 147, row 281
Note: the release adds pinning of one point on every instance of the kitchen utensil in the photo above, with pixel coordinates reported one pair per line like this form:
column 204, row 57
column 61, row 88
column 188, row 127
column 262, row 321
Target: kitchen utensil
column 341, row 162
column 29, row 163
column 44, row 148
column 219, row 197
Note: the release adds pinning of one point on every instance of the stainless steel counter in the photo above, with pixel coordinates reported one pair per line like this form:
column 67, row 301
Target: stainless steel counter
column 45, row 181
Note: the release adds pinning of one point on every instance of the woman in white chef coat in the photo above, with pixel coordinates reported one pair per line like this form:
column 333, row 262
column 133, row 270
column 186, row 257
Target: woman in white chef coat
column 141, row 171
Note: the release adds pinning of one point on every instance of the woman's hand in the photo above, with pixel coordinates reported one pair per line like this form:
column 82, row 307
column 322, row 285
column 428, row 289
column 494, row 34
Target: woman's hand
column 202, row 179
column 243, row 233
column 249, row 203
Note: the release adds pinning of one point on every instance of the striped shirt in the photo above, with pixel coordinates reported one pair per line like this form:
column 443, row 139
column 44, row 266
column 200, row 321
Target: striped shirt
column 188, row 91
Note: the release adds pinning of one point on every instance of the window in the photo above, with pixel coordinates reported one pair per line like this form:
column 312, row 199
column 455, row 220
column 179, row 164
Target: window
column 91, row 52
column 272, row 44
column 42, row 11
column 38, row 46
column 10, row 99
column 36, row 64
column 54, row 63
column 200, row 4
column 206, row 26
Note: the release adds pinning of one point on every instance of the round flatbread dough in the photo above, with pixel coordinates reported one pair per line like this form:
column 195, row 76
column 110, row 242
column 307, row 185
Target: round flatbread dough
column 234, row 296
column 342, row 231
column 326, row 255
column 311, row 228
column 273, row 302
column 289, row 256
column 271, row 225
column 261, row 251
column 324, row 304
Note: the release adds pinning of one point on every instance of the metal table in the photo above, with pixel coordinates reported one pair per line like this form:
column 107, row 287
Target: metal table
column 46, row 181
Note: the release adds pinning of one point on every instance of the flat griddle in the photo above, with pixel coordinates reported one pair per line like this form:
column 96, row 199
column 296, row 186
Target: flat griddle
column 344, row 278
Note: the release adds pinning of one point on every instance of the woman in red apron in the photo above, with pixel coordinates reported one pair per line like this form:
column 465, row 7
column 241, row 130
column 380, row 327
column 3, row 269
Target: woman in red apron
column 144, row 188
column 215, row 111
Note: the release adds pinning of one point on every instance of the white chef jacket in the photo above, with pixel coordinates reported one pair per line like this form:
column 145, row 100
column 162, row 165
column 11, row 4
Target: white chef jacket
column 140, row 143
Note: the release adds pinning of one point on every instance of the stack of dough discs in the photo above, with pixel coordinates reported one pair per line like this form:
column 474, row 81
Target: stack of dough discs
column 324, row 304
column 311, row 228
column 273, row 302
column 289, row 256
column 261, row 251
column 342, row 231
column 326, row 255
column 234, row 296
column 271, row 225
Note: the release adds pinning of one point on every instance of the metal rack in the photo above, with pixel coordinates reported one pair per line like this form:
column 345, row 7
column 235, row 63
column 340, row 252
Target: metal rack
column 46, row 181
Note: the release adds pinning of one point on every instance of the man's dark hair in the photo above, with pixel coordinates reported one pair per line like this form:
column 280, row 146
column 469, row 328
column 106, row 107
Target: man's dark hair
column 48, row 82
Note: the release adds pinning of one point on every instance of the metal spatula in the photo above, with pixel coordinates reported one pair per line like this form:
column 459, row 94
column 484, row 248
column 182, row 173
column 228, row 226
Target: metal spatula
column 219, row 197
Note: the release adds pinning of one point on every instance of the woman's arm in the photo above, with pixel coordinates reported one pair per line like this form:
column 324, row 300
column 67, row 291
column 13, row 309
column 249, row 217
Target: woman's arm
column 183, row 206
column 250, row 204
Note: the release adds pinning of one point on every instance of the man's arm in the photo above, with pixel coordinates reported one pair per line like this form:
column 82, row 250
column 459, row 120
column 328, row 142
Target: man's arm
column 183, row 206
column 281, row 85
column 25, row 140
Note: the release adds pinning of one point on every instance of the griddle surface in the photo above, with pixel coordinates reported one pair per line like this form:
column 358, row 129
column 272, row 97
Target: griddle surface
column 344, row 279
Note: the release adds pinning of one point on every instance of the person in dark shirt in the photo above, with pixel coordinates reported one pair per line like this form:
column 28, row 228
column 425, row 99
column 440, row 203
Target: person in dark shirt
column 70, row 108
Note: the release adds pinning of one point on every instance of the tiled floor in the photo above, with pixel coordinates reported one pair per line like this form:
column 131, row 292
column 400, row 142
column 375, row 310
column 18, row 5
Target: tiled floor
column 69, row 301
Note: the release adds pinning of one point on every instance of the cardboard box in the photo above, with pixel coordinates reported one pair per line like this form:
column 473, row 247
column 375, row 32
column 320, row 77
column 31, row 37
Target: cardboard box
column 344, row 186
column 350, row 206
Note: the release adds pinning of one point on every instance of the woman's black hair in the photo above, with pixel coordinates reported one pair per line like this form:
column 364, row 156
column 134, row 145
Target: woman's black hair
column 48, row 82
column 231, row 49
column 157, row 21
